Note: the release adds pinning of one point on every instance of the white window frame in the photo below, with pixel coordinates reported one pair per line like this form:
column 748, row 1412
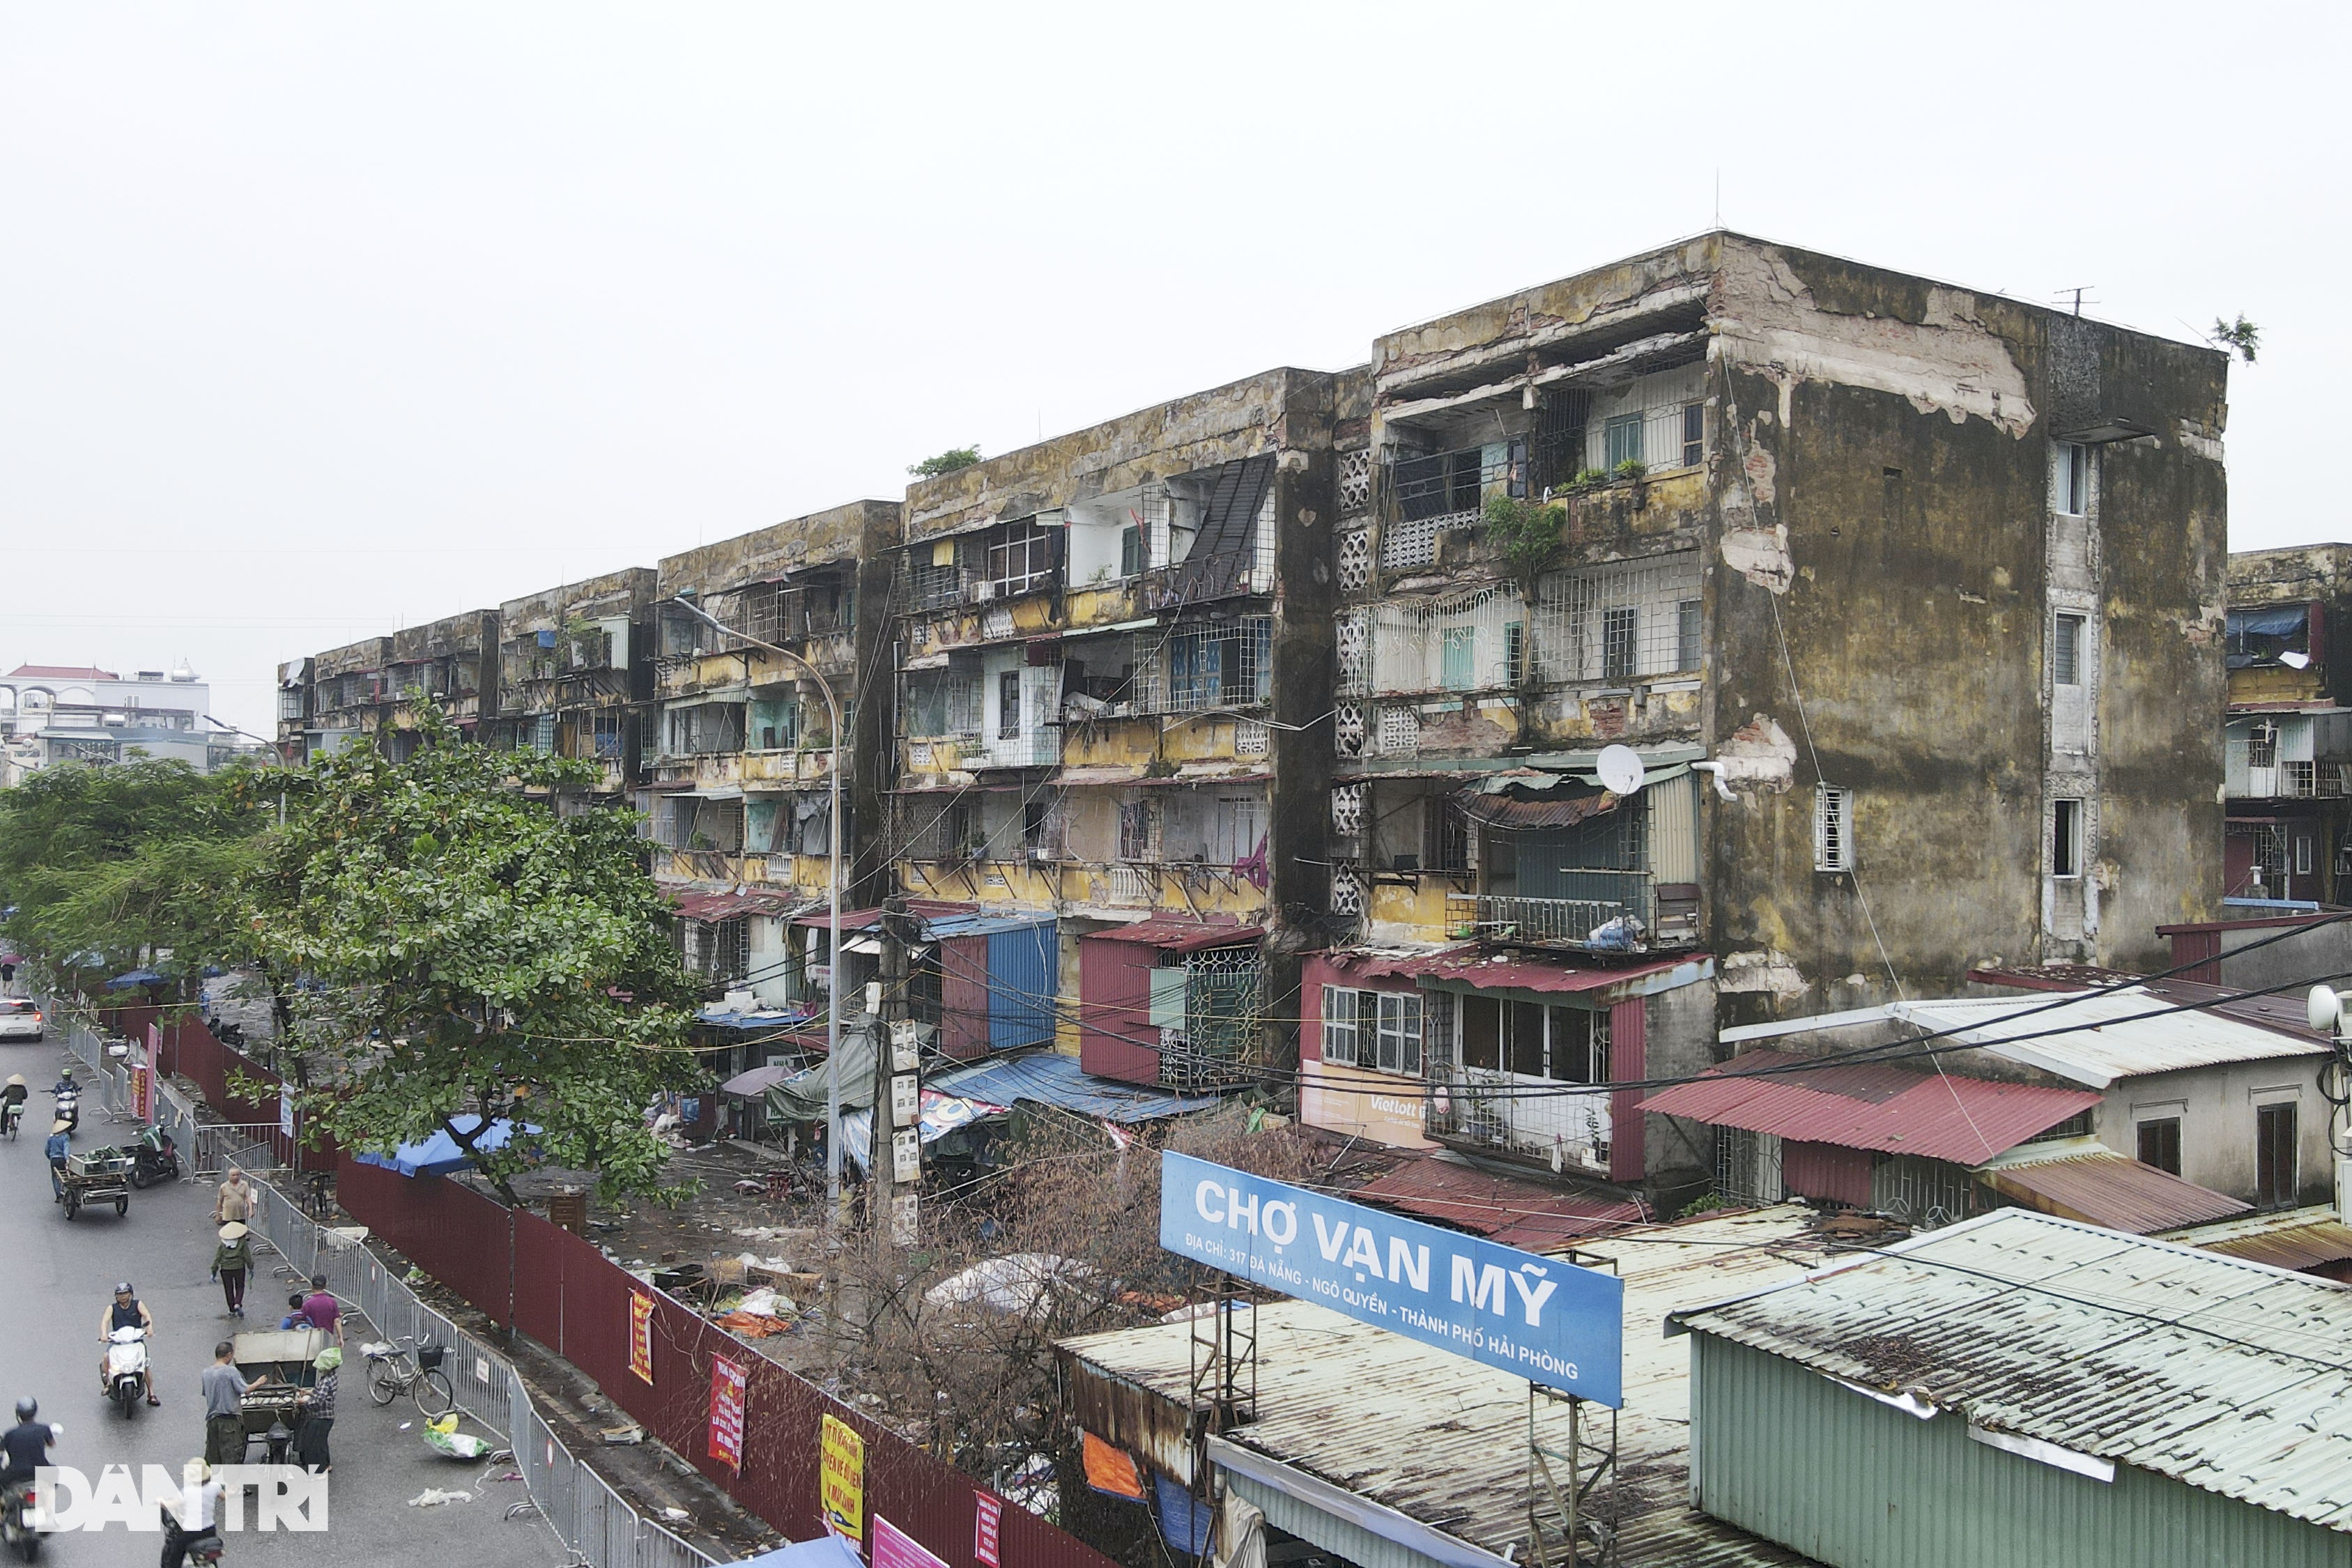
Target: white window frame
column 2073, row 481
column 2066, row 837
column 1398, row 1038
column 1381, row 1031
column 2069, row 642
column 1340, row 1046
column 1833, row 828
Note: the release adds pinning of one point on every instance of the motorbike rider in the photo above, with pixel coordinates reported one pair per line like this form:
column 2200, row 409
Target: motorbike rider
column 57, row 1148
column 13, row 1096
column 191, row 1520
column 23, row 1449
column 69, row 1098
column 126, row 1311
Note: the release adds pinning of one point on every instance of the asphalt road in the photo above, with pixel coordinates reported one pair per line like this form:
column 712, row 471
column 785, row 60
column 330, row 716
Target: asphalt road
column 54, row 1283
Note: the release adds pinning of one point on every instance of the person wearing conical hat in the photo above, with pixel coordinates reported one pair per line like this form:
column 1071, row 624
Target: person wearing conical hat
column 231, row 1261
column 319, row 1413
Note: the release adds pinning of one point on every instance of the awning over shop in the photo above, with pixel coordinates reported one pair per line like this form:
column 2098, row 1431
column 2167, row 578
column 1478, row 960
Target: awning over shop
column 1172, row 934
column 1871, row 1105
column 1526, row 1214
column 2101, row 1187
column 803, row 1096
column 756, row 1082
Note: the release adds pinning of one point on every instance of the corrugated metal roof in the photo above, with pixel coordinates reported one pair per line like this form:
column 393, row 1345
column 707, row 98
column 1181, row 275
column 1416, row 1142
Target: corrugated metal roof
column 2222, row 1374
column 1468, row 963
column 2119, row 1034
column 2302, row 1239
column 1871, row 1105
column 2099, row 1186
column 1051, row 1078
column 1444, row 1439
column 1515, row 1212
column 1178, row 935
column 736, row 905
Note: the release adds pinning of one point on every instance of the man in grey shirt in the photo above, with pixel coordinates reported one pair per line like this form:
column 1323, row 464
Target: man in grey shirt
column 224, row 1390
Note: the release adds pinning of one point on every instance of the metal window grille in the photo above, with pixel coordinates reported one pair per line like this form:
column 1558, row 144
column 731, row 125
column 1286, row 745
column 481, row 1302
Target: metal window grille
column 1581, row 633
column 1023, row 558
column 964, row 705
column 1461, row 642
column 291, row 705
column 1354, row 476
column 1355, row 645
column 1687, row 652
column 1658, row 420
column 1355, row 559
column 1833, row 828
column 1400, row 729
column 1139, row 830
column 934, row 585
column 2067, row 650
column 1217, row 664
column 1223, row 993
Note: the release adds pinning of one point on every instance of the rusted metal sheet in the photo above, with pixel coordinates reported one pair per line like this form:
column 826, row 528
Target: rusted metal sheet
column 2101, row 1187
column 2307, row 1240
column 1515, row 1212
column 1870, row 1105
column 1468, row 963
column 2222, row 1374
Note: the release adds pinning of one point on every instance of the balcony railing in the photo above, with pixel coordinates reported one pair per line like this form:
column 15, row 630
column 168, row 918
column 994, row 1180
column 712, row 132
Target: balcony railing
column 1488, row 1108
column 1588, row 924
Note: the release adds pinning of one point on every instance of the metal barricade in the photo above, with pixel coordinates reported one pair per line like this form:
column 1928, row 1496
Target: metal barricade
column 250, row 1146
column 591, row 1519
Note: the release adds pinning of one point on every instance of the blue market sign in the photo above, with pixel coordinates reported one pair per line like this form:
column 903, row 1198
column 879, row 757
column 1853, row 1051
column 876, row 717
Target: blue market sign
column 1537, row 1318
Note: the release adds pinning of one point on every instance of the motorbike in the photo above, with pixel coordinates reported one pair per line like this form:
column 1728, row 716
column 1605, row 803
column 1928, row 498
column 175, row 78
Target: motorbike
column 69, row 1098
column 155, row 1158
column 126, row 1368
column 11, row 1113
column 16, row 1528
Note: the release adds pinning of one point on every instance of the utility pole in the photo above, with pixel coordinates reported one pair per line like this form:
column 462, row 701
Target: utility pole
column 898, row 1159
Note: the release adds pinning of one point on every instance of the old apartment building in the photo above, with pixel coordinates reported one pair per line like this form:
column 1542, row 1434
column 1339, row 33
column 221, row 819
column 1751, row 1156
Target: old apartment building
column 1113, row 712
column 2290, row 729
column 738, row 757
column 1907, row 601
column 377, row 686
column 575, row 674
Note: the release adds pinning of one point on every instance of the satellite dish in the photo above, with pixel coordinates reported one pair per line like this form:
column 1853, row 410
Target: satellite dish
column 2323, row 1009
column 1619, row 769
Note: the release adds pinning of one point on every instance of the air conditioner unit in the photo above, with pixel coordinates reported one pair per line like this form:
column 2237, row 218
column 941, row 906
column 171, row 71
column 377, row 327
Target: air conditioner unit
column 983, row 591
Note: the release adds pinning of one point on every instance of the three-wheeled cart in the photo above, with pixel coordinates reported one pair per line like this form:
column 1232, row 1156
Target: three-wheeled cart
column 276, row 1410
column 100, row 1176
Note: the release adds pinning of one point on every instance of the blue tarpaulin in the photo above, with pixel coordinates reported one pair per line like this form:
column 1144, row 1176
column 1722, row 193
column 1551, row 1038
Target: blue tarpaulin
column 136, row 977
column 439, row 1155
column 824, row 1551
column 1052, row 1078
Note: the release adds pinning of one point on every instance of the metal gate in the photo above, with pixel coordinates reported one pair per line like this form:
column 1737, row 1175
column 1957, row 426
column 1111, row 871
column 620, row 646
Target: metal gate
column 250, row 1146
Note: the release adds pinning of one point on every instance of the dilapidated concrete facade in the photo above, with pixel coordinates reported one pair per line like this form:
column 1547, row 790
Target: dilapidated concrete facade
column 739, row 761
column 575, row 674
column 1908, row 600
column 1090, row 721
column 378, row 688
column 2289, row 744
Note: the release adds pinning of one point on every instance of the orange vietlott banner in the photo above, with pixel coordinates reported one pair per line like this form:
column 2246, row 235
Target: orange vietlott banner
column 641, row 1334
column 728, row 1380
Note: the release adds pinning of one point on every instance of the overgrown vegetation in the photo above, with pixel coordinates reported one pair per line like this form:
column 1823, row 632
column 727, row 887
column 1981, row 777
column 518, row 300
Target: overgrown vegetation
column 945, row 462
column 2240, row 337
column 1527, row 533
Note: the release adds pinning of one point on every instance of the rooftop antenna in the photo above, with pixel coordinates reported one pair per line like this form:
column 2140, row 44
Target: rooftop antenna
column 2078, row 293
column 1719, row 196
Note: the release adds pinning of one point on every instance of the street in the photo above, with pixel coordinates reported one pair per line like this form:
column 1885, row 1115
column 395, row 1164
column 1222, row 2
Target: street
column 59, row 1284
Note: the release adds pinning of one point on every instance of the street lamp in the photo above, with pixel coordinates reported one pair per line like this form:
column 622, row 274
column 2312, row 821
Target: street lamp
column 833, row 901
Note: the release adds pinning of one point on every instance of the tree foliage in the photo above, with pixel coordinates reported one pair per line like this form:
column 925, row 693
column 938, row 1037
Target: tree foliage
column 2240, row 337
column 116, row 867
column 1527, row 534
column 945, row 462
column 473, row 953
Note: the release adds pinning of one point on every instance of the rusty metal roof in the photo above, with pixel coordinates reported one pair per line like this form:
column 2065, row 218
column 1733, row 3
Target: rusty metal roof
column 2099, row 1186
column 1871, row 1105
column 1444, row 1440
column 1174, row 934
column 1468, row 963
column 1516, row 1213
column 2222, row 1374
column 736, row 905
column 2303, row 1239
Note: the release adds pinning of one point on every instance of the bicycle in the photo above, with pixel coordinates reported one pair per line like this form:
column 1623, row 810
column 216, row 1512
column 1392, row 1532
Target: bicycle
column 392, row 1373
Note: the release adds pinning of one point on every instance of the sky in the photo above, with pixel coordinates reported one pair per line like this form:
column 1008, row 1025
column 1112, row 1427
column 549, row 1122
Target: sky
column 318, row 320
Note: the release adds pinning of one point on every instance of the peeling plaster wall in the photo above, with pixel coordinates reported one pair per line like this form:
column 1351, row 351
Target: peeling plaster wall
column 839, row 533
column 1883, row 501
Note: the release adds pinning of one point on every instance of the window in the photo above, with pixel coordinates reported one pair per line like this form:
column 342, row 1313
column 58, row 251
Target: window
column 1445, row 840
column 1515, row 652
column 1622, row 440
column 2304, row 858
column 606, row 742
column 2067, row 650
column 1008, row 705
column 2274, row 1155
column 1460, row 649
column 2159, row 1143
column 1398, row 1042
column 2076, row 1126
column 1339, row 1026
column 1021, row 559
column 1130, row 551
column 1833, row 829
column 1620, row 637
column 963, row 704
column 1687, row 625
column 2066, row 839
column 1135, row 834
column 2073, row 485
column 1694, row 435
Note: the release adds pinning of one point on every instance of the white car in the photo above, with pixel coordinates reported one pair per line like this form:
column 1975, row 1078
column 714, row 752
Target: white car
column 20, row 1018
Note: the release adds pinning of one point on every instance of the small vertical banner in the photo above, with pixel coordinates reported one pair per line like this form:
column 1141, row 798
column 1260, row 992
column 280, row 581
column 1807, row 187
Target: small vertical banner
column 285, row 1111
column 641, row 1334
column 728, row 1380
column 142, row 1092
column 841, row 1479
column 987, row 1516
column 894, row 1547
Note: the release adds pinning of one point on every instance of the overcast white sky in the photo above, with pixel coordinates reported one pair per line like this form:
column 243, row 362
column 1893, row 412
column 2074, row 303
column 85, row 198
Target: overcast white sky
column 317, row 320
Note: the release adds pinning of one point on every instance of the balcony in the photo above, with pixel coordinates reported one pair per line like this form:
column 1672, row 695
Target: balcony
column 1506, row 1113
column 1668, row 917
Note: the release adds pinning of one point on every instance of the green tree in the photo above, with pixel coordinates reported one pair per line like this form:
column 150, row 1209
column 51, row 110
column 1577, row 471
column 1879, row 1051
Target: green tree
column 135, row 863
column 2240, row 337
column 945, row 462
column 474, row 953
